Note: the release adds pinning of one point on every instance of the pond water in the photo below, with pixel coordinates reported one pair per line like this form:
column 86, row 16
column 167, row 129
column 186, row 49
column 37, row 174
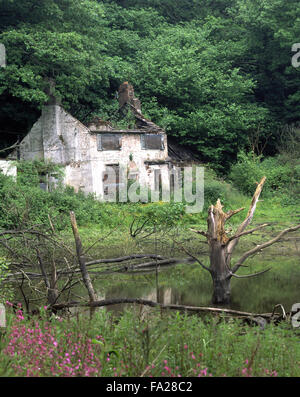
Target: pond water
column 189, row 285
column 257, row 295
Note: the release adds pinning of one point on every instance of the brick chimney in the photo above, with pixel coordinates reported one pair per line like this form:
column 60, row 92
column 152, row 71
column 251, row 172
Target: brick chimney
column 126, row 96
column 53, row 99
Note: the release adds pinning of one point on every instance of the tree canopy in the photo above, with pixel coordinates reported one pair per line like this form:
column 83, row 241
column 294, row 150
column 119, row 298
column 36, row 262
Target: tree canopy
column 213, row 73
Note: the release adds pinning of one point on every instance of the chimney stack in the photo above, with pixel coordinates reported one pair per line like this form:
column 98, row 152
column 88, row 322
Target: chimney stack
column 50, row 91
column 126, row 96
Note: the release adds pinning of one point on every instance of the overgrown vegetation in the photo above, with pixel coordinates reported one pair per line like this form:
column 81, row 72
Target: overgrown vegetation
column 6, row 290
column 211, row 73
column 217, row 75
column 283, row 176
column 24, row 203
column 146, row 344
column 223, row 349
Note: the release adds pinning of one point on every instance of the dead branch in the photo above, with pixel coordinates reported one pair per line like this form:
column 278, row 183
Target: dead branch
column 30, row 230
column 26, row 300
column 248, row 232
column 282, row 310
column 14, row 146
column 194, row 257
column 53, row 292
column 166, row 262
column 21, row 273
column 33, row 232
column 200, row 232
column 230, row 213
column 139, row 229
column 43, row 271
column 51, row 224
column 151, row 365
column 123, row 259
column 111, row 269
column 129, row 268
column 98, row 240
column 249, row 216
column 262, row 246
column 248, row 275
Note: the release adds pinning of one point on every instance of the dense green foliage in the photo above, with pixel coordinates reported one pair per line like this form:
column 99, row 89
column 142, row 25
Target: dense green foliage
column 24, row 203
column 282, row 177
column 6, row 290
column 213, row 73
column 282, row 171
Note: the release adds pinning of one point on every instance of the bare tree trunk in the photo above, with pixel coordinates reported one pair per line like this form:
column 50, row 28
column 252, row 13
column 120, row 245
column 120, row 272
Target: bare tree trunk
column 218, row 254
column 221, row 290
column 221, row 246
column 79, row 250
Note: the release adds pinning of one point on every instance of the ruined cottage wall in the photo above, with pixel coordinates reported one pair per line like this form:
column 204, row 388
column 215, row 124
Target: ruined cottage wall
column 8, row 168
column 165, row 177
column 31, row 147
column 130, row 158
column 60, row 138
column 66, row 141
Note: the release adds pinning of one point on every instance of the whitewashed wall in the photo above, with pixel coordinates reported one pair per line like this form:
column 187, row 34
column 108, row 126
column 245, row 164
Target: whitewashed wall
column 62, row 139
column 8, row 168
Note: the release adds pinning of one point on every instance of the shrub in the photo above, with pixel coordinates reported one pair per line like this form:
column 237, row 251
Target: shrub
column 281, row 176
column 159, row 214
column 31, row 173
column 214, row 190
column 246, row 172
column 23, row 204
column 6, row 290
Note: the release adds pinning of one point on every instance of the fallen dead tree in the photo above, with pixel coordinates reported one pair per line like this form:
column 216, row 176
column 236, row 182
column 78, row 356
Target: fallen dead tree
column 257, row 318
column 138, row 301
column 128, row 268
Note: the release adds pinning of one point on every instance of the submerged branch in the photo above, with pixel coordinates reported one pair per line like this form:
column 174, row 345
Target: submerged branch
column 123, row 259
column 195, row 258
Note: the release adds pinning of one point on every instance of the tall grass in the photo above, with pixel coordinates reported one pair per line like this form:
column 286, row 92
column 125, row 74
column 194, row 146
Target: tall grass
column 146, row 343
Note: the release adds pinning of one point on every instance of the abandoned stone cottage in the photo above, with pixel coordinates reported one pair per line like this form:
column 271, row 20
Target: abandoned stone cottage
column 88, row 153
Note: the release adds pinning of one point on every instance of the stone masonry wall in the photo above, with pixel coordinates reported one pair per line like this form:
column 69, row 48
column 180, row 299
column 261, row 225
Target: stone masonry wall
column 60, row 138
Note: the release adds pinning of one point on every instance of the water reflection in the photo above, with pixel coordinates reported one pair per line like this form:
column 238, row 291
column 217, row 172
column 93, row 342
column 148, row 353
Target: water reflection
column 258, row 295
column 165, row 295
